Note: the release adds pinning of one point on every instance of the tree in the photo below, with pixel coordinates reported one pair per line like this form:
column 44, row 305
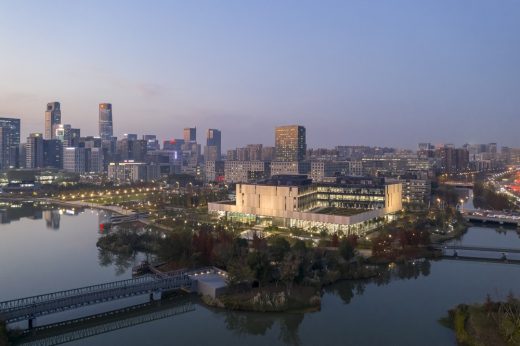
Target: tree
column 346, row 250
column 239, row 272
column 260, row 265
column 334, row 240
column 279, row 246
column 299, row 246
column 289, row 270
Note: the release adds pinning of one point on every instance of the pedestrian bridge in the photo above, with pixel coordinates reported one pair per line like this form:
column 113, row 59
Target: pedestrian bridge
column 478, row 248
column 29, row 308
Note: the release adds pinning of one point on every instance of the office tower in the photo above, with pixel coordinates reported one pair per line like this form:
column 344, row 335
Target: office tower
column 173, row 144
column 130, row 149
column 213, row 145
column 130, row 136
column 9, row 143
column 95, row 160
column 52, row 153
column 190, row 134
column 34, row 151
column 74, row 160
column 52, row 119
column 106, row 128
column 290, row 143
column 151, row 142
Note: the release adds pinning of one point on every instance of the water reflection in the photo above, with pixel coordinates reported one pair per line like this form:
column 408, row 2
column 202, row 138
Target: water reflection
column 16, row 211
column 52, row 219
column 288, row 324
column 121, row 261
column 347, row 290
column 258, row 324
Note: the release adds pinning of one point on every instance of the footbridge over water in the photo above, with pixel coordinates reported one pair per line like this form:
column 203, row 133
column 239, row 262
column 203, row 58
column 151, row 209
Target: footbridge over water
column 29, row 308
column 476, row 253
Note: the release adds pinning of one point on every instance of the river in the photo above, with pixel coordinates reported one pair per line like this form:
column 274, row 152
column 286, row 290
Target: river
column 44, row 251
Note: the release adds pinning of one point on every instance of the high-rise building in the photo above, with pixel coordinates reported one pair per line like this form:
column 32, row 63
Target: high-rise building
column 52, row 153
column 151, row 142
column 74, row 160
column 34, row 151
column 52, row 119
column 9, row 143
column 190, row 134
column 213, row 145
column 130, row 136
column 290, row 143
column 106, row 129
column 453, row 160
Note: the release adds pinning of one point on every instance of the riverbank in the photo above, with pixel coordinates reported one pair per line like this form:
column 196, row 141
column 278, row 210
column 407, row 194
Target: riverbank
column 491, row 323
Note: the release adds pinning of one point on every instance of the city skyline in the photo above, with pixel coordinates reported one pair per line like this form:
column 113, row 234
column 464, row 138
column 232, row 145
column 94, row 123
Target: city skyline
column 447, row 70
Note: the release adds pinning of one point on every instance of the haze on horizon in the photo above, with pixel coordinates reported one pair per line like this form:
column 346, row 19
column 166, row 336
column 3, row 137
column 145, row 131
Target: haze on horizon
column 389, row 73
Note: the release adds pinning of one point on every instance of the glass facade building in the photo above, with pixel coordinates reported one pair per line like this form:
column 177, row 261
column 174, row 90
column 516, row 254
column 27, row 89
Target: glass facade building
column 52, row 119
column 106, row 130
column 290, row 143
column 9, row 143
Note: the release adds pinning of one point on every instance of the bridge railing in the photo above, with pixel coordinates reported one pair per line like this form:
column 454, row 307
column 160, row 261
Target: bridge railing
column 17, row 303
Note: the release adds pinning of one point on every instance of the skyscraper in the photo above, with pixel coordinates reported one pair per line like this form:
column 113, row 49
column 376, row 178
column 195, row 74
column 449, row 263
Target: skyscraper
column 106, row 130
column 34, row 151
column 9, row 142
column 52, row 119
column 290, row 143
column 190, row 134
column 213, row 145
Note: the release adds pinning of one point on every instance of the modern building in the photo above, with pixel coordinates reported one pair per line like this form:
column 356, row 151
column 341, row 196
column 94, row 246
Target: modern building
column 52, row 153
column 268, row 153
column 214, row 171
column 190, row 134
column 213, row 150
column 130, row 171
column 290, row 167
column 9, row 143
column 151, row 142
column 352, row 207
column 246, row 171
column 74, row 160
column 322, row 171
column 52, row 119
column 95, row 160
column 453, row 160
column 34, row 151
column 290, row 143
column 106, row 127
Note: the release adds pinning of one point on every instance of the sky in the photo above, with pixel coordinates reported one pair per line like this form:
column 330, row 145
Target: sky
column 385, row 73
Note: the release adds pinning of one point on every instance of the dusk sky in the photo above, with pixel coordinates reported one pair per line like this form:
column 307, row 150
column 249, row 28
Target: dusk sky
column 390, row 73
